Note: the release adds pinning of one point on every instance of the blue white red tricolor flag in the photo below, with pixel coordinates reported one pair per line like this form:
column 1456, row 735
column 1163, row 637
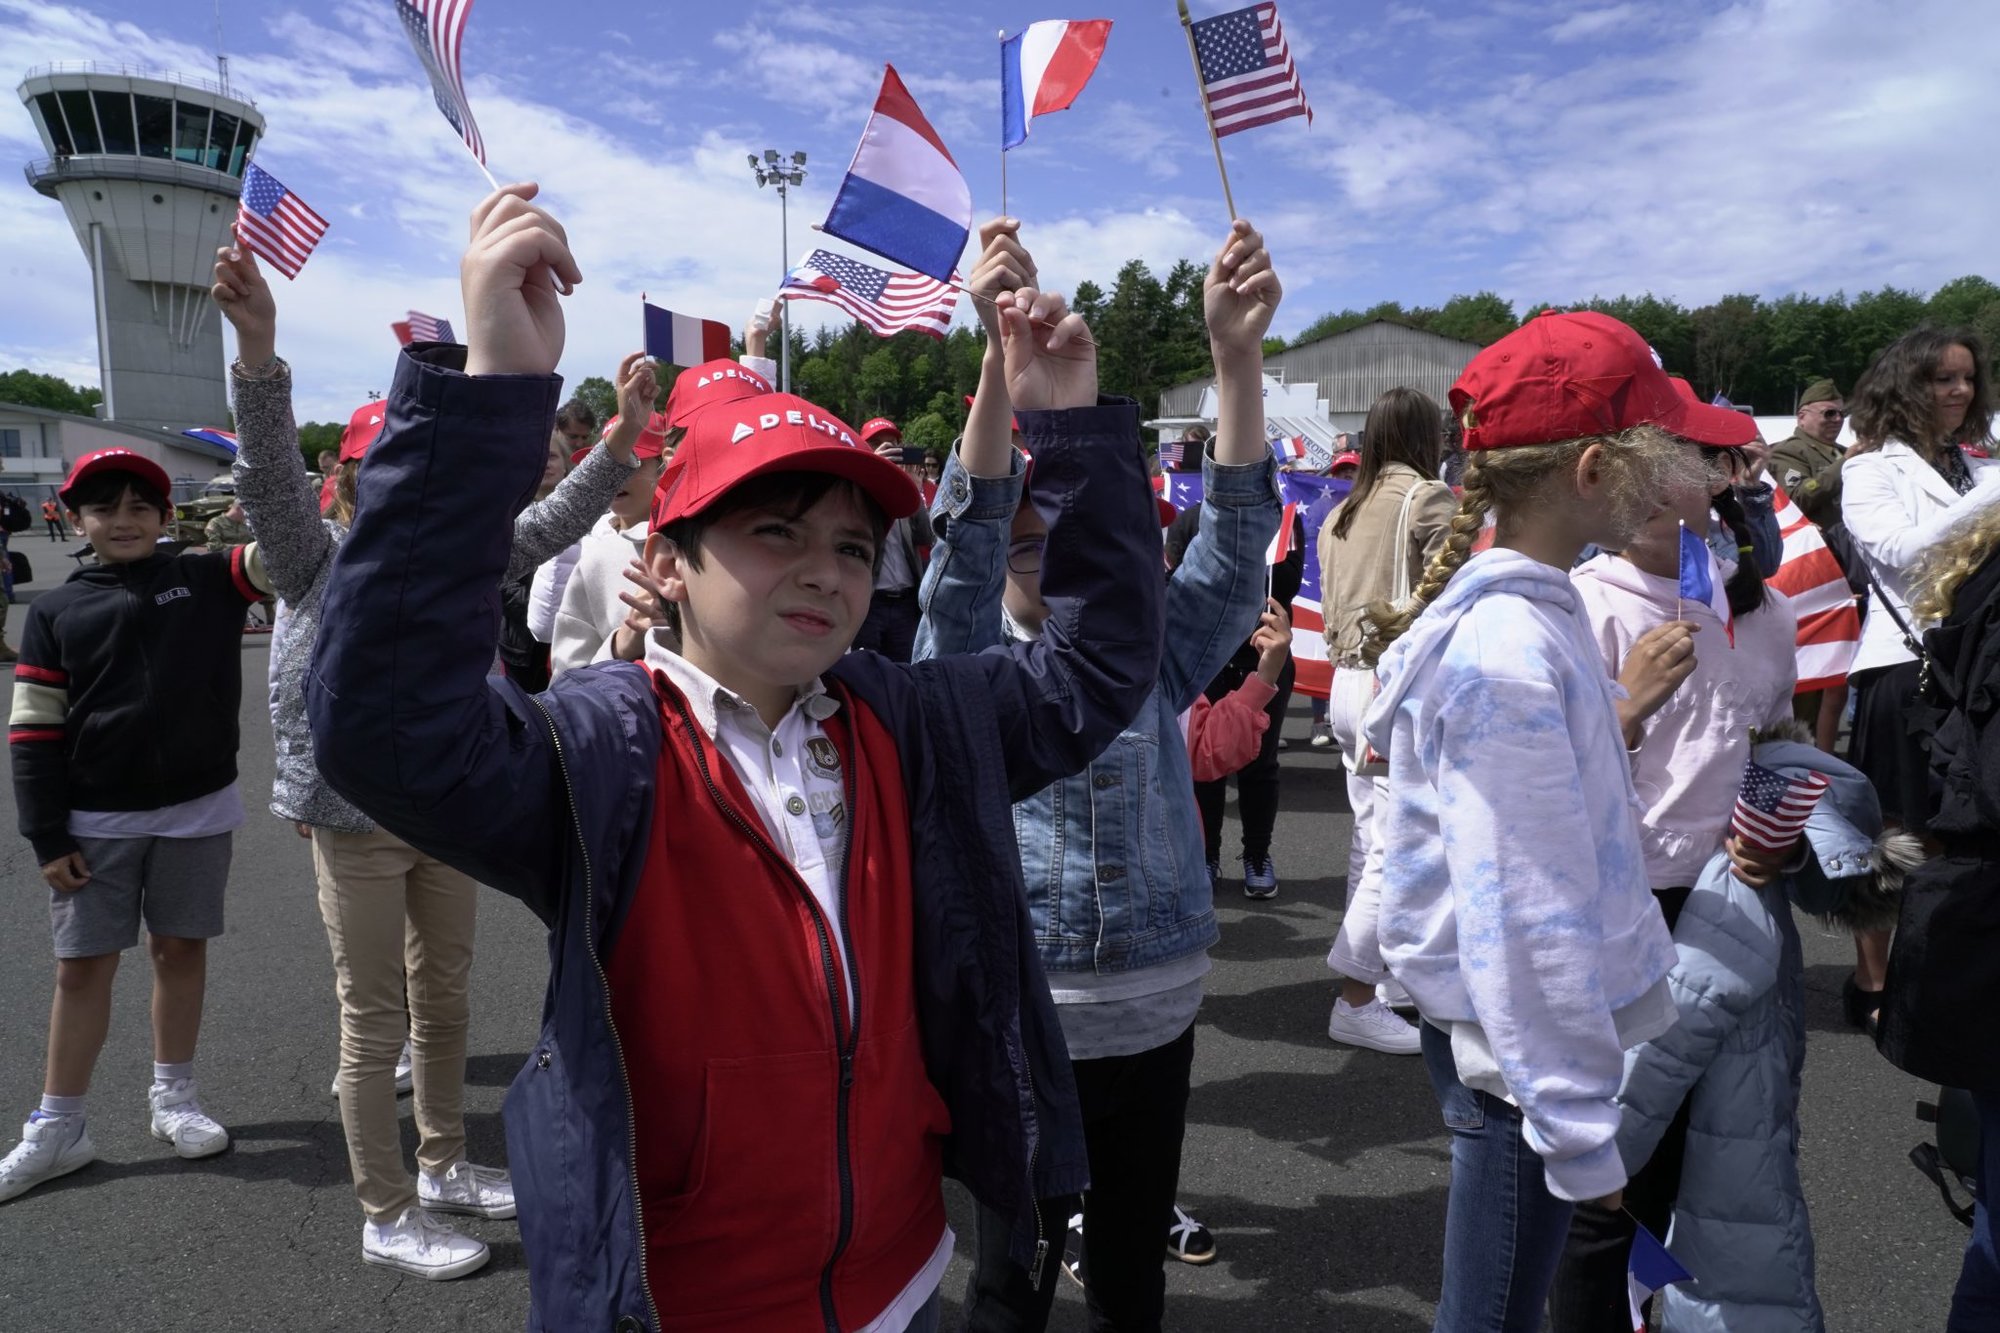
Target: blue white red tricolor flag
column 436, row 29
column 903, row 197
column 1649, row 1269
column 683, row 340
column 1280, row 549
column 1772, row 809
column 1247, row 74
column 211, row 435
column 1809, row 574
column 427, row 328
column 889, row 303
column 1289, row 448
column 275, row 223
column 1701, row 581
column 1042, row 69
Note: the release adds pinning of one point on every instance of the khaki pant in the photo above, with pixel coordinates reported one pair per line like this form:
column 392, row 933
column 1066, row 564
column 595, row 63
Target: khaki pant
column 396, row 919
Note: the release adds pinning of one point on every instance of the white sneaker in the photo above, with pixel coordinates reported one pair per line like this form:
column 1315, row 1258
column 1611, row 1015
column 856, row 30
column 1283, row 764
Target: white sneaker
column 48, row 1148
column 1373, row 1027
column 403, row 1083
column 1322, row 737
column 418, row 1243
column 178, row 1119
column 1391, row 993
column 476, row 1191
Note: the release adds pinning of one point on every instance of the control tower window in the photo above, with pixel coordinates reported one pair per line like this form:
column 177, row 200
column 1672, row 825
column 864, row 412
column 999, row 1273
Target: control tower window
column 114, row 119
column 221, row 137
column 246, row 138
column 191, row 134
column 156, row 125
column 82, row 125
column 59, row 141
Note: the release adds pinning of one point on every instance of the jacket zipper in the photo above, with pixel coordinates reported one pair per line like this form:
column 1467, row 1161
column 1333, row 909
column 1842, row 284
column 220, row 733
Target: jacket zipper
column 611, row 1025
column 1034, row 1194
column 846, row 1033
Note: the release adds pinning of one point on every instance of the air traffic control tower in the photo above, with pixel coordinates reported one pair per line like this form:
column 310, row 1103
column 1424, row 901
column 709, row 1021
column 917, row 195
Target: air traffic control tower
column 149, row 167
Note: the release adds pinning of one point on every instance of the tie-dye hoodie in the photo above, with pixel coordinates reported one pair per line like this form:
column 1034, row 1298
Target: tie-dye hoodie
column 1515, row 905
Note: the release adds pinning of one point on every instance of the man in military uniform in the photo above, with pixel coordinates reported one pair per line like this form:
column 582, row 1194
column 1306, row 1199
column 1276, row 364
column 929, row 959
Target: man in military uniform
column 230, row 528
column 1807, row 462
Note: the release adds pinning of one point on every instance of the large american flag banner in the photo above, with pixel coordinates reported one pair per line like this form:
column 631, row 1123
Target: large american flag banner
column 1829, row 624
column 275, row 223
column 1247, row 74
column 436, row 29
column 1772, row 809
column 889, row 303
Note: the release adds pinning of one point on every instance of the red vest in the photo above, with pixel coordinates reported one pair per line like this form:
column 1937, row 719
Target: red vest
column 783, row 1160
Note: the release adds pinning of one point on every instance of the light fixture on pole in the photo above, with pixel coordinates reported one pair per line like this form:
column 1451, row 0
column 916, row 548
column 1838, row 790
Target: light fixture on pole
column 770, row 169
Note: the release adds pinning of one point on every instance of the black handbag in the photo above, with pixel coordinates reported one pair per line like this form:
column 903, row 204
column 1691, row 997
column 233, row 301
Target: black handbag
column 1951, row 1163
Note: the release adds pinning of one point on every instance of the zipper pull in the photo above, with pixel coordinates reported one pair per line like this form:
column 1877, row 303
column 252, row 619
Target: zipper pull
column 1035, row 1268
column 846, row 1069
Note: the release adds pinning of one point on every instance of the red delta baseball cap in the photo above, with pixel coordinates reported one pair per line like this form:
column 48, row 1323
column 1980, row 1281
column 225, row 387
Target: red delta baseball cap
column 729, row 443
column 1348, row 459
column 364, row 427
column 1566, row 375
column 709, row 383
column 652, row 441
column 115, row 460
column 879, row 426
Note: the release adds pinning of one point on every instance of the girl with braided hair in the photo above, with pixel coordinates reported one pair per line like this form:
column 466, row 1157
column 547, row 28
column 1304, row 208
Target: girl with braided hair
column 1516, row 905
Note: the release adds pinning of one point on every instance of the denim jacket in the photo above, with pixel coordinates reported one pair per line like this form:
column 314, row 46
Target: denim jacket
column 1112, row 856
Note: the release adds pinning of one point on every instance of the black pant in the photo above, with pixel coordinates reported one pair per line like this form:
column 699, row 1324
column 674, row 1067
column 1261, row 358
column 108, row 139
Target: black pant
column 1134, row 1115
column 1256, row 781
column 55, row 529
column 891, row 626
column 1590, row 1293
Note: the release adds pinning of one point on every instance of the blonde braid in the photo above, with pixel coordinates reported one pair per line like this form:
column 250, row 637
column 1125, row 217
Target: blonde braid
column 1941, row 571
column 1382, row 623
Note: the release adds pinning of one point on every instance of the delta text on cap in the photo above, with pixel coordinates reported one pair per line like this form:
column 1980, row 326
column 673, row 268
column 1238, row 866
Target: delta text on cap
column 729, row 443
column 709, row 383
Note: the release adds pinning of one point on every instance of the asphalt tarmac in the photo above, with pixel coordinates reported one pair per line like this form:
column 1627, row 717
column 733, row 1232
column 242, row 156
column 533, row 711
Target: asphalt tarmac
column 1321, row 1169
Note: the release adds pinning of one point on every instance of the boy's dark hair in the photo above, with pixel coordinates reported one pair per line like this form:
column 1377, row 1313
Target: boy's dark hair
column 576, row 412
column 789, row 493
column 108, row 488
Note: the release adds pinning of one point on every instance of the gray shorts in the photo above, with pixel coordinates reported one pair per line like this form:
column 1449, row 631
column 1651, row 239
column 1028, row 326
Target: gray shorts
column 175, row 884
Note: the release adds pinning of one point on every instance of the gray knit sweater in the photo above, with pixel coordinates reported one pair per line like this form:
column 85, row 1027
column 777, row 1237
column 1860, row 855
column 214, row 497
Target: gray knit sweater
column 297, row 547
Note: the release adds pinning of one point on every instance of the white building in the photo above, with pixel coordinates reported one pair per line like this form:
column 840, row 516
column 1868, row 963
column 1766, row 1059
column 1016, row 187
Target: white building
column 38, row 447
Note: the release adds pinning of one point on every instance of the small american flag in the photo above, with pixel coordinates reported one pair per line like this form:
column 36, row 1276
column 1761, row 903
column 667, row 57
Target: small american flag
column 1247, row 73
column 1171, row 451
column 436, row 29
column 1772, row 809
column 276, row 223
column 886, row 302
column 429, row 328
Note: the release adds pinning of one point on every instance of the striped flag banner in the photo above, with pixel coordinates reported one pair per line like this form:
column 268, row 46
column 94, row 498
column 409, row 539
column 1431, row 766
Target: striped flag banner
column 1247, row 73
column 683, row 340
column 1810, row 574
column 903, row 197
column 436, row 29
column 888, row 303
column 1772, row 809
column 275, row 223
column 429, row 328
column 1280, row 549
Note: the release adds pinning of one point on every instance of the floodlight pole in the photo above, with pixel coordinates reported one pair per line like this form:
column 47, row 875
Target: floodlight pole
column 783, row 173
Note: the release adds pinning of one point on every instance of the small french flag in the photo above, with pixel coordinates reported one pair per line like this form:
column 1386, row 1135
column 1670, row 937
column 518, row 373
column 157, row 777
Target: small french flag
column 1289, row 448
column 1042, row 69
column 1280, row 549
column 903, row 197
column 1649, row 1269
column 683, row 340
column 1701, row 581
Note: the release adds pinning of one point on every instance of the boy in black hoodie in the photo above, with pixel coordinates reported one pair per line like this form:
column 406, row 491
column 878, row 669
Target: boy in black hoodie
column 124, row 742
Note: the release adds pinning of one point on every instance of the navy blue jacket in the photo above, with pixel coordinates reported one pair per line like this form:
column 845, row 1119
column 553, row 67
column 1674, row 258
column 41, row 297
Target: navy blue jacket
column 550, row 797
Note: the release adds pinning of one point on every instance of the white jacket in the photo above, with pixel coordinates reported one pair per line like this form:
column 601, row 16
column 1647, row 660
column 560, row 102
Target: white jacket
column 591, row 612
column 1515, row 905
column 1896, row 506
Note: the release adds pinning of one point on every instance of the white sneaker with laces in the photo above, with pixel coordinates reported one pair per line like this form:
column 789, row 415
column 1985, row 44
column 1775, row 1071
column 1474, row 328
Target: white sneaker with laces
column 403, row 1083
column 48, row 1148
column 476, row 1191
column 1373, row 1026
column 418, row 1243
column 1322, row 737
column 178, row 1119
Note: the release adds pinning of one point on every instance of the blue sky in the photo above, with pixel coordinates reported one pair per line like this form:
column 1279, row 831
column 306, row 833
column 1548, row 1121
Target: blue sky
column 1548, row 151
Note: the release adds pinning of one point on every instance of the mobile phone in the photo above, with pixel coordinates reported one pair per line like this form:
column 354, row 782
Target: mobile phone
column 914, row 455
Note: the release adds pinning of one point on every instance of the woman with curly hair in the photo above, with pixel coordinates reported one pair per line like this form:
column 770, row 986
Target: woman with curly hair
column 1904, row 487
column 1944, row 973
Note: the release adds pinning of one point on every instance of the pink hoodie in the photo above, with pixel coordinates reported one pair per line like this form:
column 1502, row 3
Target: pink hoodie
column 1689, row 766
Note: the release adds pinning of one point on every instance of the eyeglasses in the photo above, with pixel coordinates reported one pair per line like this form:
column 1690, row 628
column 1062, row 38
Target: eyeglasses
column 1025, row 556
column 1830, row 414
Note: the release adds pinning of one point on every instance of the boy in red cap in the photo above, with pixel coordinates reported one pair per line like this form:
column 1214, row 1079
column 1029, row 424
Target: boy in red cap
column 792, row 983
column 124, row 737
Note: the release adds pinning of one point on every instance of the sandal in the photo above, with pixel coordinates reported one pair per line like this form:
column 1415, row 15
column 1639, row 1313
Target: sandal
column 1188, row 1240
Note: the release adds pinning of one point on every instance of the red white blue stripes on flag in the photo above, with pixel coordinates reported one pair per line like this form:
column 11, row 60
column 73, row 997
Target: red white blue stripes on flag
column 429, row 328
column 1772, row 809
column 1701, row 581
column 888, row 303
column 1042, row 69
column 211, row 435
column 1810, row 574
column 275, row 223
column 1280, row 549
column 903, row 197
column 436, row 29
column 1247, row 73
column 1650, row 1268
column 683, row 340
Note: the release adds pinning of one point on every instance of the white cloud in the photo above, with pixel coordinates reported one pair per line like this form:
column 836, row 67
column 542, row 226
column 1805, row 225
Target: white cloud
column 1586, row 24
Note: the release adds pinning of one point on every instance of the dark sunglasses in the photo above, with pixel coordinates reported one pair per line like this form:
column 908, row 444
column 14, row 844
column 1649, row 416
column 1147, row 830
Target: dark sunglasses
column 1830, row 414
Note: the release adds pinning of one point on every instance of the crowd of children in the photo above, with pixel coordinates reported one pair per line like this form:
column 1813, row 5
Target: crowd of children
column 829, row 923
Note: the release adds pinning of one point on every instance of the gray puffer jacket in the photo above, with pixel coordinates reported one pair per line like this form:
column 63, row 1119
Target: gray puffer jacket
column 298, row 545
column 1736, row 1056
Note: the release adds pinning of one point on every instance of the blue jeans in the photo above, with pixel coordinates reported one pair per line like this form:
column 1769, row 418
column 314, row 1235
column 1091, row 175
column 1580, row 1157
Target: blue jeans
column 1503, row 1230
column 1975, row 1306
